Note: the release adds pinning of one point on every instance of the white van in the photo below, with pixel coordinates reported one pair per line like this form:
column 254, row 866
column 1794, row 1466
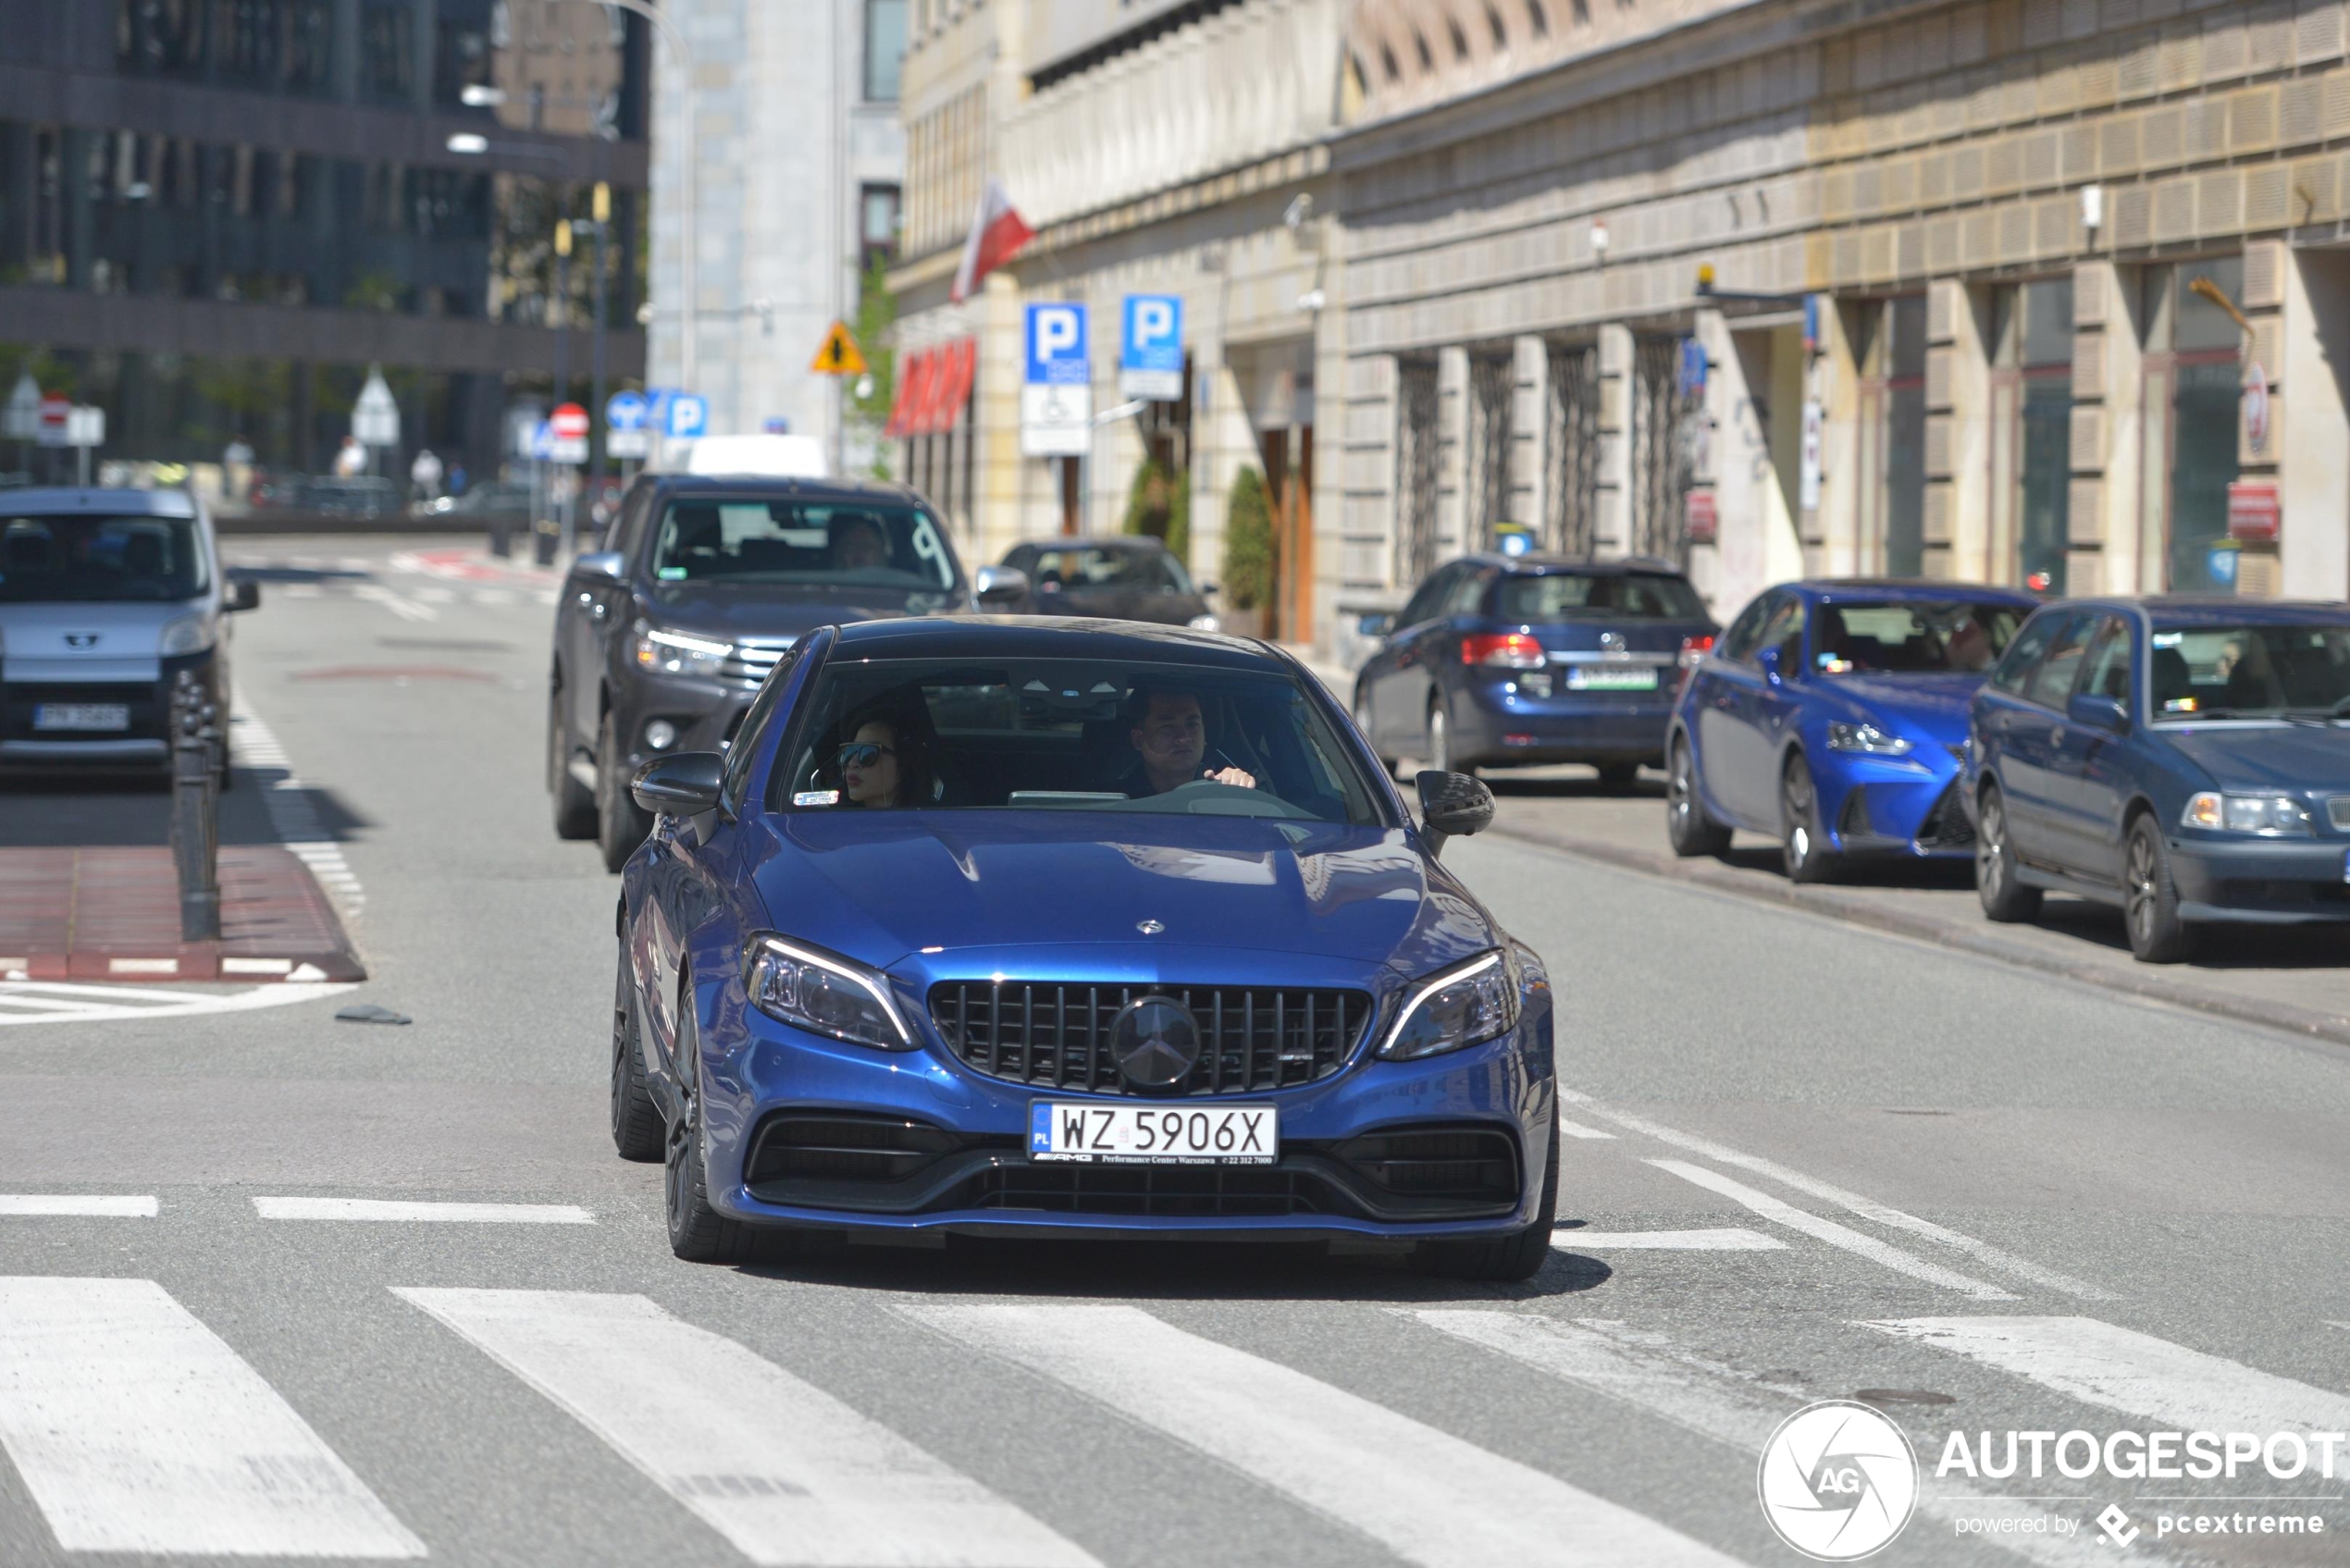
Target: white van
column 105, row 597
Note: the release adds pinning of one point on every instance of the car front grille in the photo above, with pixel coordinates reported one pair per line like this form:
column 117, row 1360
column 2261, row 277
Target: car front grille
column 2338, row 811
column 1056, row 1036
column 751, row 662
column 1164, row 1190
column 1946, row 827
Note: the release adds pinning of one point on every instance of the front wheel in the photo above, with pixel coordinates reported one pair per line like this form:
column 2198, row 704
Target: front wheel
column 697, row 1233
column 635, row 1120
column 2004, row 898
column 1440, row 741
column 1693, row 832
column 1518, row 1256
column 574, row 802
column 2150, row 899
column 621, row 823
column 1802, row 844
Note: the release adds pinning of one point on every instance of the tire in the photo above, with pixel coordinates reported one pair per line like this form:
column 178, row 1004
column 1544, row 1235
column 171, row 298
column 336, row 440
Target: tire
column 574, row 802
column 621, row 823
column 1803, row 845
column 1516, row 1256
column 697, row 1233
column 1439, row 742
column 2004, row 898
column 1617, row 778
column 1363, row 722
column 637, row 1131
column 1692, row 833
column 2150, row 899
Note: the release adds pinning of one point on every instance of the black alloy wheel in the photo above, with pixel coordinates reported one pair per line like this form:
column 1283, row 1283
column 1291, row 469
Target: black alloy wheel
column 697, row 1233
column 574, row 802
column 1803, row 848
column 621, row 823
column 1518, row 1256
column 1690, row 831
column 2150, row 899
column 637, row 1131
column 1617, row 778
column 2004, row 898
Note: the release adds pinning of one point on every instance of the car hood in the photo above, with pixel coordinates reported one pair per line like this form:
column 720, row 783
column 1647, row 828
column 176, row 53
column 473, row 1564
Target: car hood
column 728, row 613
column 1933, row 706
column 2289, row 757
column 882, row 887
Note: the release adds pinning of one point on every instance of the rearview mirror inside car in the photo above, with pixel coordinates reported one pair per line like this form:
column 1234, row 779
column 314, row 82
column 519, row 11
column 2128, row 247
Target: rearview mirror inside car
column 1451, row 805
column 999, row 586
column 682, row 785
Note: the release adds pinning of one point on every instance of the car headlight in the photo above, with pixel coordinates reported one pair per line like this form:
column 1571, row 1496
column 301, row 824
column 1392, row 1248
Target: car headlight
column 823, row 995
column 187, row 635
column 1465, row 1006
column 2270, row 816
column 1866, row 739
column 674, row 653
column 1204, row 624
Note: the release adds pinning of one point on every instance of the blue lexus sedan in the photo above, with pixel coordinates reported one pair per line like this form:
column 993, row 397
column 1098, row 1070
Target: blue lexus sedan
column 1044, row 926
column 1832, row 715
column 1516, row 660
column 2185, row 759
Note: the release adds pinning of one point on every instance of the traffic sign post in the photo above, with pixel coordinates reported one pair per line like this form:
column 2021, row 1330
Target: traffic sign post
column 85, row 429
column 625, row 416
column 55, row 408
column 1056, row 396
column 21, row 420
column 688, row 416
column 1150, row 348
column 374, row 418
column 838, row 353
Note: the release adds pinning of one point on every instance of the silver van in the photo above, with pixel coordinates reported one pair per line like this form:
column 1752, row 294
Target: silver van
column 105, row 597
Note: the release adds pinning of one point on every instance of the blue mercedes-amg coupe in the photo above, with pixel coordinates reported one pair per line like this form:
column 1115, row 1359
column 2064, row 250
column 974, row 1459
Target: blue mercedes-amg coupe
column 1833, row 716
column 1039, row 926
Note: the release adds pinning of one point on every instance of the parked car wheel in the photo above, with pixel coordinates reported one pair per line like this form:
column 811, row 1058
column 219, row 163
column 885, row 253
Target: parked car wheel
column 1439, row 742
column 1692, row 833
column 1617, row 778
column 2150, row 899
column 1363, row 722
column 621, row 823
column 574, row 802
column 635, row 1121
column 1802, row 843
column 697, row 1232
column 2004, row 898
column 1518, row 1256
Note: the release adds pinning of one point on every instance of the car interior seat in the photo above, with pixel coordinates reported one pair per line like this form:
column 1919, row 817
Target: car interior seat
column 142, row 555
column 29, row 550
column 2173, row 682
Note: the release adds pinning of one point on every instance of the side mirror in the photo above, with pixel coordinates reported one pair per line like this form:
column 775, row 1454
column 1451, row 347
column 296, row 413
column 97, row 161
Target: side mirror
column 244, row 594
column 1451, row 805
column 1376, row 625
column 997, row 586
column 2099, row 712
column 1769, row 659
column 685, row 784
column 1207, row 591
column 600, row 564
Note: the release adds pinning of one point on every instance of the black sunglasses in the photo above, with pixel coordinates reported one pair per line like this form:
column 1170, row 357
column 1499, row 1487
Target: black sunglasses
column 864, row 754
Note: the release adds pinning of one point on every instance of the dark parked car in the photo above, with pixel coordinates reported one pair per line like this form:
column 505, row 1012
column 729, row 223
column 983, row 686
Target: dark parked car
column 1510, row 661
column 1126, row 578
column 1832, row 715
column 483, row 506
column 704, row 581
column 2185, row 759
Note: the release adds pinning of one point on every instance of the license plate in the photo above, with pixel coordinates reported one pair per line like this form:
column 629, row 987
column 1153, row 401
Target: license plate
column 1601, row 677
column 81, row 716
column 1153, row 1135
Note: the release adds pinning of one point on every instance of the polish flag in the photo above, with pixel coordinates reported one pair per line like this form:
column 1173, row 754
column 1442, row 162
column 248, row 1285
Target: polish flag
column 998, row 233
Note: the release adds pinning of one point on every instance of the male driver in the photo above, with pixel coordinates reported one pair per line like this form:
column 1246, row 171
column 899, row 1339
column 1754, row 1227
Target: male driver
column 1169, row 738
column 857, row 544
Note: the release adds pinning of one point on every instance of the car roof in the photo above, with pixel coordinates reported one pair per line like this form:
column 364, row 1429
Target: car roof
column 1905, row 589
column 2219, row 609
column 1542, row 563
column 1053, row 636
column 1094, row 541
column 783, row 485
column 115, row 503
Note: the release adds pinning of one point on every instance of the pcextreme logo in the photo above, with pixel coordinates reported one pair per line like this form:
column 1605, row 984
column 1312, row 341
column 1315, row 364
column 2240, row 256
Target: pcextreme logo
column 1838, row 1481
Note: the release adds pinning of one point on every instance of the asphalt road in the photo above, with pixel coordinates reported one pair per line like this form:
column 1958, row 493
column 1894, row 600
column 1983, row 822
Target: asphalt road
column 1805, row 1160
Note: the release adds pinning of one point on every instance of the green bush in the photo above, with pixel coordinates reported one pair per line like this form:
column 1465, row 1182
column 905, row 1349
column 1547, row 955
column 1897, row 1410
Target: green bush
column 1149, row 502
column 1249, row 558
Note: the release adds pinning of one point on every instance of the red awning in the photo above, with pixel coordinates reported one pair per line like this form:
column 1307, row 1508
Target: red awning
column 913, row 386
column 962, row 365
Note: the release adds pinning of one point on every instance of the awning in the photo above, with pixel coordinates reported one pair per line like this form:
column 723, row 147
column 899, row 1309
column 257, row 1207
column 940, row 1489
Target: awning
column 933, row 386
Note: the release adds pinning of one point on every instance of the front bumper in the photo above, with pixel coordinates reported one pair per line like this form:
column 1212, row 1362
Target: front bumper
column 705, row 713
column 1893, row 806
column 2277, row 882
column 144, row 745
column 1505, row 724
column 973, row 1175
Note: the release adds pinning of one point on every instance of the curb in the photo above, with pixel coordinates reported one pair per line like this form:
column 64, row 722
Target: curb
column 1941, row 933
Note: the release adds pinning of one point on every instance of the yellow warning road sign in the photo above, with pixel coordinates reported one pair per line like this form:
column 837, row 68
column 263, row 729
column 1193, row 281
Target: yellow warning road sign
column 838, row 354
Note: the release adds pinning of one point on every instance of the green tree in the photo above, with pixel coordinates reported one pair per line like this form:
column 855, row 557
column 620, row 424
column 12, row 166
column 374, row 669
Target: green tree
column 877, row 317
column 1249, row 547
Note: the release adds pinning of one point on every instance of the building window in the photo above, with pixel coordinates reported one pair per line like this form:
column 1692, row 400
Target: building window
column 2032, row 391
column 885, row 48
column 387, row 50
column 2193, row 370
column 877, row 222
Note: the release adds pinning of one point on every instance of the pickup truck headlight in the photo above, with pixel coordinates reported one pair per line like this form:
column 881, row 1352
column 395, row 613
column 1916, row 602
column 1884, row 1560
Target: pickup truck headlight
column 1866, row 740
column 823, row 994
column 1454, row 1009
column 2268, row 815
column 187, row 635
column 674, row 653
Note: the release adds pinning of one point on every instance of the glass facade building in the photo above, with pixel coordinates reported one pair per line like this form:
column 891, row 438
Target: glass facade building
column 215, row 214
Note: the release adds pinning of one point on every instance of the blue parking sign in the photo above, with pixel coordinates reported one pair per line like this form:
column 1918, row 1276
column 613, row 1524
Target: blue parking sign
column 688, row 415
column 1057, row 355
column 1150, row 349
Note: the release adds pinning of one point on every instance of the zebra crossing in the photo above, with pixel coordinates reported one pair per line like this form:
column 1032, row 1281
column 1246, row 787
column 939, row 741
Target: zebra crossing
column 134, row 1425
column 411, row 585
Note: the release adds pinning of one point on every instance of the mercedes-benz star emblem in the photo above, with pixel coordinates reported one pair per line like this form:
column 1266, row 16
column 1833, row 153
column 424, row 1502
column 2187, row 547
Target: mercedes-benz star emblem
column 1149, row 927
column 82, row 639
column 1155, row 1042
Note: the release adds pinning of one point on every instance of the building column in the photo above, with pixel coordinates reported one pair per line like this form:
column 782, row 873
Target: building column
column 1753, row 406
column 1611, row 499
column 1831, row 526
column 2105, row 520
column 2314, row 491
column 1958, row 435
column 2267, row 266
column 1529, row 429
column 1452, row 451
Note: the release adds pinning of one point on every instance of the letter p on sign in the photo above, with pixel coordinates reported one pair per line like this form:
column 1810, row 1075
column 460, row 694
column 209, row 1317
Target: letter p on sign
column 1056, row 353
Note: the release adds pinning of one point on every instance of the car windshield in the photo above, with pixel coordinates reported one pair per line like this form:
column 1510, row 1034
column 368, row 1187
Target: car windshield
column 1598, row 595
column 81, row 558
column 1953, row 636
column 828, row 544
column 1150, row 571
column 1069, row 735
column 2251, row 672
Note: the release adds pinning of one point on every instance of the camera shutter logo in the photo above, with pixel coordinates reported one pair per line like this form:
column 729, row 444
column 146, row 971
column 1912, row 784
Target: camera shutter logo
column 1839, row 1481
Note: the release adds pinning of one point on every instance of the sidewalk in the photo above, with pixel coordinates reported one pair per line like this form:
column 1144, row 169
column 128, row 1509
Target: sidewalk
column 111, row 912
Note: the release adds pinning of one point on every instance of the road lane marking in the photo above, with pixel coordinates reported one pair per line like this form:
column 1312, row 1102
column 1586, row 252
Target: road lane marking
column 1731, row 1239
column 1883, row 1253
column 1717, row 1403
column 293, row 815
column 405, row 608
column 1576, row 1129
column 137, row 1429
column 1852, row 1203
column 375, row 1209
column 82, row 1205
column 276, row 994
column 1427, row 1496
column 2118, row 1369
column 783, row 1470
